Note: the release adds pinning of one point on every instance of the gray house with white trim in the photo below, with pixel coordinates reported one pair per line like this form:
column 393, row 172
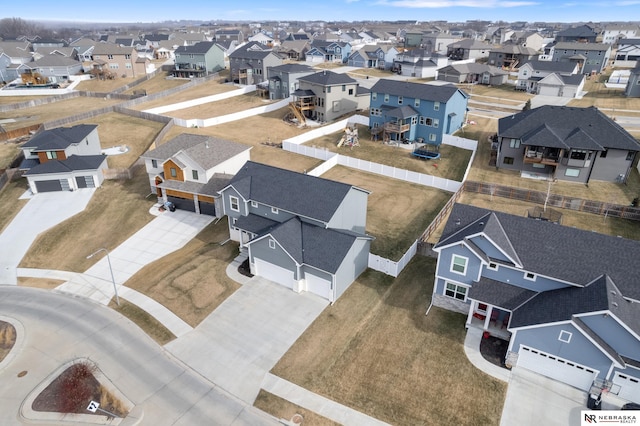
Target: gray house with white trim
column 567, row 300
column 300, row 231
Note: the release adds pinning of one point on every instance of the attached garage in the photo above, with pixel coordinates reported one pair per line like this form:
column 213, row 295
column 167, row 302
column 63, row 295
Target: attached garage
column 51, row 185
column 318, row 285
column 85, row 182
column 629, row 386
column 274, row 273
column 207, row 208
column 182, row 203
column 557, row 368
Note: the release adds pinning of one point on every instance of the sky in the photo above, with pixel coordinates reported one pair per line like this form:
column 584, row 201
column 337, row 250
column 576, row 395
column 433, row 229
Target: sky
column 121, row 11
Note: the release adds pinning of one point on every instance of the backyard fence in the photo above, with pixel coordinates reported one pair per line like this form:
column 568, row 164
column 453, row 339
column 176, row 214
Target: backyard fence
column 390, row 267
column 17, row 133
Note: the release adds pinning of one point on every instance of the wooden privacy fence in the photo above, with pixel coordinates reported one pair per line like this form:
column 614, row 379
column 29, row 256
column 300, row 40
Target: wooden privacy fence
column 554, row 200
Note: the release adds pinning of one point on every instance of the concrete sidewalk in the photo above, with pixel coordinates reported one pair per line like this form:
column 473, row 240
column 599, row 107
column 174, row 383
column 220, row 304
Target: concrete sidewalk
column 472, row 351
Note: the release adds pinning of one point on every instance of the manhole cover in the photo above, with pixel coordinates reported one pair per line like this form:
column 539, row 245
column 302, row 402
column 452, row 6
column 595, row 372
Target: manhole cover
column 22, row 373
column 297, row 419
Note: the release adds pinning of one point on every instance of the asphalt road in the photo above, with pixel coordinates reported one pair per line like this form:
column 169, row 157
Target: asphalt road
column 59, row 329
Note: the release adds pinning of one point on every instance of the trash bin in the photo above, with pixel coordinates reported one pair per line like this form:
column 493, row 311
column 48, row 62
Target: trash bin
column 593, row 403
column 170, row 206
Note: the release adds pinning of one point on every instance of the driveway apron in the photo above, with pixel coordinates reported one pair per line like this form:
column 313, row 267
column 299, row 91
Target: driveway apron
column 239, row 342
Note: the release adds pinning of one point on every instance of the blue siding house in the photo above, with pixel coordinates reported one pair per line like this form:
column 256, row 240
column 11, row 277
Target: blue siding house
column 300, row 231
column 404, row 111
column 567, row 300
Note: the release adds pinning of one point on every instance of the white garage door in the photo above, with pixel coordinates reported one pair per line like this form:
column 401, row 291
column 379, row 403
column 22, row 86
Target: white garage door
column 629, row 387
column 274, row 273
column 556, row 368
column 318, row 285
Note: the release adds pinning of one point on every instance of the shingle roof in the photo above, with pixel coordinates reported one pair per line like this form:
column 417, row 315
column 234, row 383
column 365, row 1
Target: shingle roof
column 564, row 253
column 551, row 66
column 416, row 90
column 54, row 61
column 495, row 293
column 567, row 127
column 211, row 188
column 402, row 112
column 251, row 50
column 298, row 193
column 291, row 68
column 104, row 48
column 200, row 47
column 59, row 138
column 328, row 78
column 566, row 45
column 473, row 68
column 73, row 163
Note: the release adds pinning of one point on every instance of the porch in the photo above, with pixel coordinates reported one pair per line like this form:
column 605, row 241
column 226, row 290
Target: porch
column 542, row 155
column 489, row 319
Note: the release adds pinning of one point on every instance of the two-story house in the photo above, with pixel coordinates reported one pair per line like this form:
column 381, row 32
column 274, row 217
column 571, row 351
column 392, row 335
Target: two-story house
column 401, row 111
column 566, row 143
column 578, row 34
column 190, row 169
column 592, row 57
column 118, row 60
column 229, row 35
column 300, row 231
column 283, row 79
column 437, row 42
column 374, row 56
column 510, row 56
column 551, row 78
column 328, row 51
column 468, row 49
column 249, row 63
column 615, row 33
column 199, row 60
column 64, row 159
column 326, row 96
column 418, row 63
column 55, row 68
column 566, row 300
column 632, row 89
column 628, row 53
column 295, row 50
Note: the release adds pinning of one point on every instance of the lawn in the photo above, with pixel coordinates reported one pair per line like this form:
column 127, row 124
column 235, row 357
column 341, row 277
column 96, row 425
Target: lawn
column 397, row 212
column 156, row 84
column 9, row 202
column 283, row 409
column 192, row 281
column 375, row 350
column 144, row 320
column 116, row 129
column 65, row 108
column 8, row 152
column 45, row 283
column 116, row 211
column 221, row 107
column 8, row 100
column 505, row 92
column 208, row 88
column 451, row 165
column 600, row 96
column 104, row 86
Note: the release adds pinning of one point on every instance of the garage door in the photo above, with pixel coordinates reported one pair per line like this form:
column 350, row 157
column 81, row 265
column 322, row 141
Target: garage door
column 556, row 368
column 629, row 387
column 85, row 182
column 183, row 203
column 207, row 208
column 318, row 285
column 49, row 185
column 274, row 273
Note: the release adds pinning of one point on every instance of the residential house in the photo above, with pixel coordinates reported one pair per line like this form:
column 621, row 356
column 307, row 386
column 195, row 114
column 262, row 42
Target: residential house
column 249, row 63
column 64, row 159
column 374, row 56
column 69, row 52
column 300, row 231
column 40, row 43
column 8, row 72
column 294, row 50
column 615, row 33
column 190, row 169
column 510, row 56
column 262, row 38
column 193, row 38
column 283, row 79
column 19, row 52
column 84, row 48
column 326, row 96
column 566, row 143
column 632, row 89
column 567, row 300
column 418, row 63
column 404, row 111
column 412, row 39
column 578, row 34
column 233, row 34
column 199, row 60
column 550, row 78
column 530, row 39
column 468, row 49
column 437, row 43
column 628, row 53
column 593, row 57
column 328, row 51
column 55, row 68
column 473, row 72
column 119, row 60
column 154, row 40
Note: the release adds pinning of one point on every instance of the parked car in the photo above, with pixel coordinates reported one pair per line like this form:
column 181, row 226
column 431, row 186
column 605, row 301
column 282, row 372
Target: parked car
column 170, row 206
column 631, row 406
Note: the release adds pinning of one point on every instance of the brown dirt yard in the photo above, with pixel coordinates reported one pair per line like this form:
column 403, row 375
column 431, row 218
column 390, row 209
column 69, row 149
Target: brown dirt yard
column 9, row 202
column 375, row 350
column 397, row 212
column 144, row 320
column 283, row 409
column 157, row 84
column 208, row 88
column 116, row 129
column 8, row 152
column 222, row 107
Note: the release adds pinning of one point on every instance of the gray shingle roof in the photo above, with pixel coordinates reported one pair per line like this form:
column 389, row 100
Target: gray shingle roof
column 251, row 50
column 416, row 90
column 402, row 112
column 291, row 68
column 551, row 66
column 73, row 163
column 569, row 254
column 499, row 294
column 561, row 126
column 328, row 78
column 473, row 68
column 200, row 48
column 59, row 138
column 298, row 193
column 565, row 45
column 211, row 188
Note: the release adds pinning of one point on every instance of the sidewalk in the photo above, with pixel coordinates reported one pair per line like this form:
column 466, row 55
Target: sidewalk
column 472, row 350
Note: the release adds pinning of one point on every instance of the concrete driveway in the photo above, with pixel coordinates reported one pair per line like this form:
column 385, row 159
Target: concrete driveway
column 239, row 342
column 533, row 400
column 42, row 212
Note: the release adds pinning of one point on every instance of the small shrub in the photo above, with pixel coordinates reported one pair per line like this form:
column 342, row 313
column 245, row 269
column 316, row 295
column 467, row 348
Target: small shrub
column 75, row 387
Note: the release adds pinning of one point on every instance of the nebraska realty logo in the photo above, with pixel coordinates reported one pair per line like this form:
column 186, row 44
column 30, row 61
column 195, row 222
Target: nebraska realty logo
column 608, row 418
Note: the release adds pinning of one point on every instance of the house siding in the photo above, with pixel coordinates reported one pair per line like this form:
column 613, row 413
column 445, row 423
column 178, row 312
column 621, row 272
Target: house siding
column 349, row 216
column 277, row 256
column 579, row 349
column 230, row 166
column 473, row 265
column 168, row 165
column 354, row 264
column 609, row 169
column 614, row 334
column 516, row 277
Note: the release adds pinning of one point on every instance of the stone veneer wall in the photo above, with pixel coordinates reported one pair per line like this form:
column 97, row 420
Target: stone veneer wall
column 450, row 304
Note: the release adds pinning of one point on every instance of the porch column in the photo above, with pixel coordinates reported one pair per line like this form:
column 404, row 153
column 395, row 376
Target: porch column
column 487, row 319
column 164, row 195
column 196, row 203
column 472, row 308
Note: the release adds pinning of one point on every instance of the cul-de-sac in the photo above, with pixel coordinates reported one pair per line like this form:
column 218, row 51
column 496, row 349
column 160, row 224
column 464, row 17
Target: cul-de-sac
column 324, row 221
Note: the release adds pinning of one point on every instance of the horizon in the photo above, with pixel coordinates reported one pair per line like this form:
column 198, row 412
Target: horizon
column 121, row 12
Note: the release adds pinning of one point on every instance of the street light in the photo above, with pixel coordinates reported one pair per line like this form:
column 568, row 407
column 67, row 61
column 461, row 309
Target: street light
column 115, row 289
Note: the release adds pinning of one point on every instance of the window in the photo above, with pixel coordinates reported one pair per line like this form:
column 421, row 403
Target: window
column 194, row 173
column 351, row 91
column 493, row 266
column 459, row 264
column 235, row 203
column 572, row 172
column 173, row 172
column 514, row 143
column 272, row 244
column 530, row 276
column 127, row 66
column 416, row 103
column 154, row 164
column 109, row 56
column 630, row 155
column 564, row 336
column 344, row 87
column 507, row 160
column 421, row 120
column 329, row 89
column 386, row 97
column 374, row 95
column 456, row 291
column 127, row 56
column 436, row 122
column 603, row 154
column 113, row 66
column 254, row 204
column 399, row 100
column 274, row 210
column 376, row 112
column 432, row 137
column 436, row 106
column 414, row 120
column 52, row 155
column 578, row 154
